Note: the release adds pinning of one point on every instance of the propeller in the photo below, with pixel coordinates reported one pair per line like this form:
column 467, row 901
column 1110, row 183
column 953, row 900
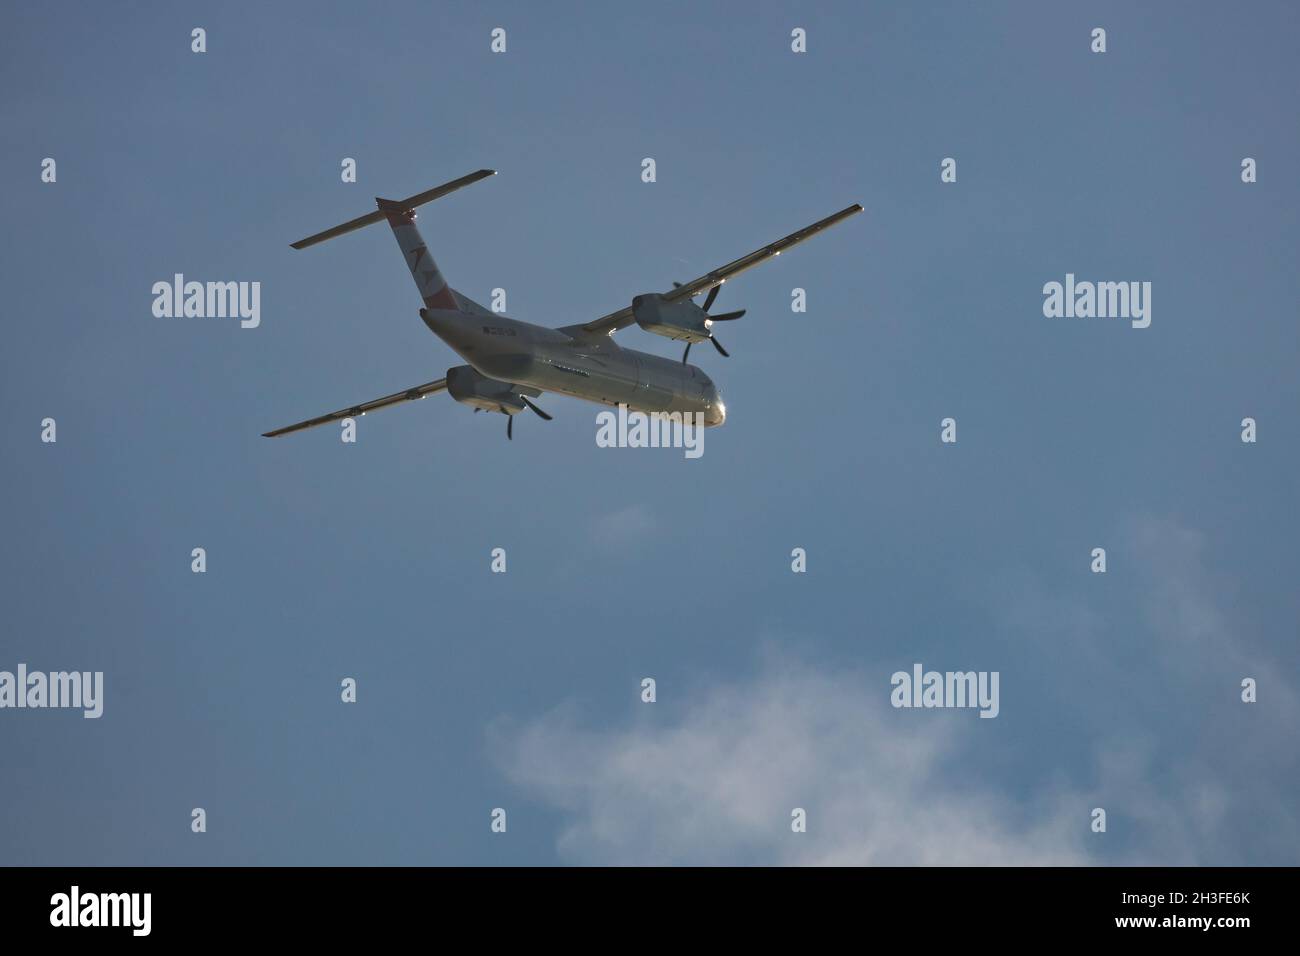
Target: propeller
column 526, row 401
column 510, row 419
column 724, row 317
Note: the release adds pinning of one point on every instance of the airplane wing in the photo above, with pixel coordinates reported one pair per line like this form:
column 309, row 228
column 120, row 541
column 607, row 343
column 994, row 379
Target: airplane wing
column 420, row 391
column 623, row 317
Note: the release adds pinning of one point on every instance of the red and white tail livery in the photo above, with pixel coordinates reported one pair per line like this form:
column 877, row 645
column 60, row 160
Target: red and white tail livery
column 428, row 278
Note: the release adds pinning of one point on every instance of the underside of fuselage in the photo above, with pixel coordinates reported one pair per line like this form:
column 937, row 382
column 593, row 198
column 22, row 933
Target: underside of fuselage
column 582, row 365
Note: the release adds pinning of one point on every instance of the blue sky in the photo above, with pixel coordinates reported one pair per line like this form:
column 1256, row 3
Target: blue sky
column 522, row 690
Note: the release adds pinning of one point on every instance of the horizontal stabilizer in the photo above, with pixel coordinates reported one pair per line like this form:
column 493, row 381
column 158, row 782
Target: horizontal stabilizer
column 419, row 199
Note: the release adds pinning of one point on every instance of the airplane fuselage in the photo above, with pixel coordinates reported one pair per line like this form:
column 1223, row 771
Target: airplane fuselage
column 572, row 362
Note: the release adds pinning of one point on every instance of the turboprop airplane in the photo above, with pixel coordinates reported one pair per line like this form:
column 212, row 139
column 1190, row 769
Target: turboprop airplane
column 513, row 362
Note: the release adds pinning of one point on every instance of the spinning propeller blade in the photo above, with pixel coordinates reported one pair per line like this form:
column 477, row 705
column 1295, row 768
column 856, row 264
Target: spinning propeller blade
column 545, row 417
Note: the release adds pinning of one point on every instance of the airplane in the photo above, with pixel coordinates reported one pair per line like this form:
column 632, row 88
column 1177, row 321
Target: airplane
column 513, row 362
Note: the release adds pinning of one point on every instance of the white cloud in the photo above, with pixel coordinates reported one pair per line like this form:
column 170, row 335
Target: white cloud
column 1190, row 612
column 1187, row 773
column 1195, row 776
column 718, row 785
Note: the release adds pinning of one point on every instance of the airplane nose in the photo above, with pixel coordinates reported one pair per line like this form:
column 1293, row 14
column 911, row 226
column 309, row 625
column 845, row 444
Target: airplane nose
column 717, row 413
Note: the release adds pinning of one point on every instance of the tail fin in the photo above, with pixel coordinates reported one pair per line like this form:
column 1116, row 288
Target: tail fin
column 428, row 279
column 400, row 214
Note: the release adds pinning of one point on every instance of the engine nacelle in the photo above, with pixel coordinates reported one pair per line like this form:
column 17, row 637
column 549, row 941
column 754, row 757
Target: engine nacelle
column 684, row 321
column 471, row 387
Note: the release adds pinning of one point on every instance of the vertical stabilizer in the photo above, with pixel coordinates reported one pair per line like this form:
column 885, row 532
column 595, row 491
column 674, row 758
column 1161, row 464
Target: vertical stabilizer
column 428, row 278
